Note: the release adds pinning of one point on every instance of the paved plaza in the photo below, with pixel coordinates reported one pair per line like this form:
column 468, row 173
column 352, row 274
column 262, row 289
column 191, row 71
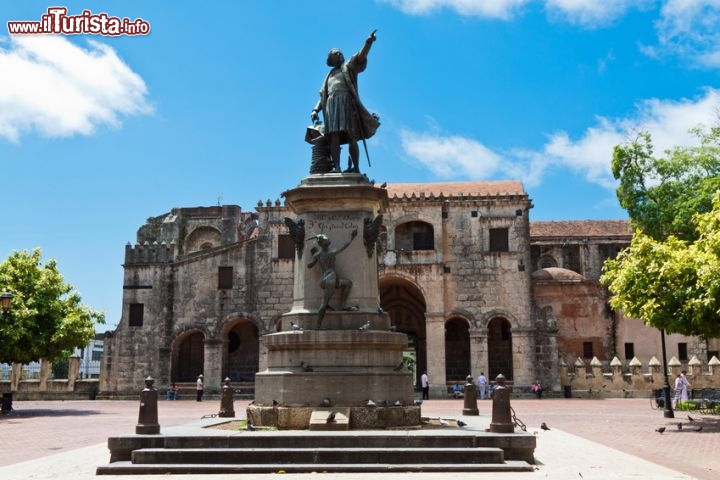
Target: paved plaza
column 588, row 439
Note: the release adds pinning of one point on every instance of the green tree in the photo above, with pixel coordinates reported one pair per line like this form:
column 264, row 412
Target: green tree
column 673, row 285
column 661, row 195
column 47, row 317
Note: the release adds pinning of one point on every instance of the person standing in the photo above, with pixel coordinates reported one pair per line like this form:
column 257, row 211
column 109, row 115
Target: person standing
column 482, row 384
column 681, row 388
column 425, row 384
column 200, row 388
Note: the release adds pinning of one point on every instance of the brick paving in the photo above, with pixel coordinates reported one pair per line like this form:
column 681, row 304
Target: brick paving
column 39, row 429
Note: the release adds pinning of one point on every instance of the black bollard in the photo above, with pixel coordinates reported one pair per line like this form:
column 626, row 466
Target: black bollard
column 501, row 413
column 227, row 408
column 148, row 416
column 470, row 395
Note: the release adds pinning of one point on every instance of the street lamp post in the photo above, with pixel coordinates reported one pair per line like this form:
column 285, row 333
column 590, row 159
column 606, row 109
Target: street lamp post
column 5, row 301
column 668, row 412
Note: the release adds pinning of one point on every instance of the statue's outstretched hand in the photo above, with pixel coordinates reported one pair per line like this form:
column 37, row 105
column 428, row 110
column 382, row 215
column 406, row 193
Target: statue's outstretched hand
column 371, row 38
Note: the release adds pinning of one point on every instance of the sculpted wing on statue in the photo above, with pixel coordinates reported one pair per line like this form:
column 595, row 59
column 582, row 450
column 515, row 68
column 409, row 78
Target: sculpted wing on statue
column 371, row 231
column 297, row 233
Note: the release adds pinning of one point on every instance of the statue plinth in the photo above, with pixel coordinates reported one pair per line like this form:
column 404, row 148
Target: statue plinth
column 345, row 354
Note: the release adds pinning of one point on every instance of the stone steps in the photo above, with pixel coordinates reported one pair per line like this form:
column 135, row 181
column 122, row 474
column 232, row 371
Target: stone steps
column 199, row 451
column 326, row 456
column 127, row 468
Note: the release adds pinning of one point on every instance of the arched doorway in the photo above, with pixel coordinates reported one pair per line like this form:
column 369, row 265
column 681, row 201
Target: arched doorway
column 188, row 357
column 405, row 304
column 242, row 352
column 457, row 350
column 500, row 348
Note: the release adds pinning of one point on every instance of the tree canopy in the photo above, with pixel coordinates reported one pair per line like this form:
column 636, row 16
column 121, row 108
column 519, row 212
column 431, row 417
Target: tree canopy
column 670, row 275
column 661, row 195
column 673, row 284
column 47, row 317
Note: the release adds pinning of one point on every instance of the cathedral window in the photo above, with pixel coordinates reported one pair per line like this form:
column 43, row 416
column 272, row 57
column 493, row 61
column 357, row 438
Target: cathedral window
column 137, row 312
column 499, row 240
column 225, row 278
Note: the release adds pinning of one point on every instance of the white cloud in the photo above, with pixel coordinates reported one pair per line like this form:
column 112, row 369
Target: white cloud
column 58, row 89
column 690, row 29
column 591, row 13
column 502, row 9
column 453, row 157
column 448, row 156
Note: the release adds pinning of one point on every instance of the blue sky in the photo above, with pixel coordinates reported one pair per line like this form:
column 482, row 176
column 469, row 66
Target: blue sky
column 98, row 133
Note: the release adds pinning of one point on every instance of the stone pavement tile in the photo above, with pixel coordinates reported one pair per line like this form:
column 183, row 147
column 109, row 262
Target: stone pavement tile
column 594, row 438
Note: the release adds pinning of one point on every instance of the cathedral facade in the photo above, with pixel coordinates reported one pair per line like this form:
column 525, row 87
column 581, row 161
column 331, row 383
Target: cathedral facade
column 462, row 270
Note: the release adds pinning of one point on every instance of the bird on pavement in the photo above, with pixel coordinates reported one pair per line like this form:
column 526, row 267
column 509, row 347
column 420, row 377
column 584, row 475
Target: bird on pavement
column 331, row 417
column 370, row 403
column 460, row 423
column 544, row 426
column 398, row 403
column 699, row 429
column 365, row 326
column 275, row 403
column 679, row 425
column 250, row 426
column 418, row 402
column 296, row 327
column 305, row 366
column 660, row 430
column 691, row 418
column 325, row 402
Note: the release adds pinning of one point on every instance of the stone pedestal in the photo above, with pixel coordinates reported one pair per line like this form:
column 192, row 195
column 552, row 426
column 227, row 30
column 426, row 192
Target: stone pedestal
column 349, row 357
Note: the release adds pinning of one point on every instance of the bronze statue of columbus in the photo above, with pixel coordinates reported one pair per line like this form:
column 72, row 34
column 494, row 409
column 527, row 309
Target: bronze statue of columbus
column 346, row 119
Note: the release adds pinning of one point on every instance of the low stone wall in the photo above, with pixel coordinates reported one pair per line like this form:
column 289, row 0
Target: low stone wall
column 633, row 379
column 45, row 388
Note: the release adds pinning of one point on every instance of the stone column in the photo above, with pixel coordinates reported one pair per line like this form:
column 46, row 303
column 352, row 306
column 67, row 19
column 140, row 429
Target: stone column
column 164, row 364
column 45, row 372
column 435, row 353
column 73, row 371
column 522, row 342
column 213, row 365
column 478, row 351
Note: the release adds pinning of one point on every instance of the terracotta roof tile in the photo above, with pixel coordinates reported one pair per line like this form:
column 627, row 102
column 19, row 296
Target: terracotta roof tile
column 581, row 228
column 480, row 189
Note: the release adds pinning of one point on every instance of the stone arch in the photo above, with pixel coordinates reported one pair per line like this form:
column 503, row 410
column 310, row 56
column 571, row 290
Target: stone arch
column 497, row 312
column 405, row 302
column 457, row 349
column 187, row 355
column 202, row 238
column 499, row 335
column 241, row 349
